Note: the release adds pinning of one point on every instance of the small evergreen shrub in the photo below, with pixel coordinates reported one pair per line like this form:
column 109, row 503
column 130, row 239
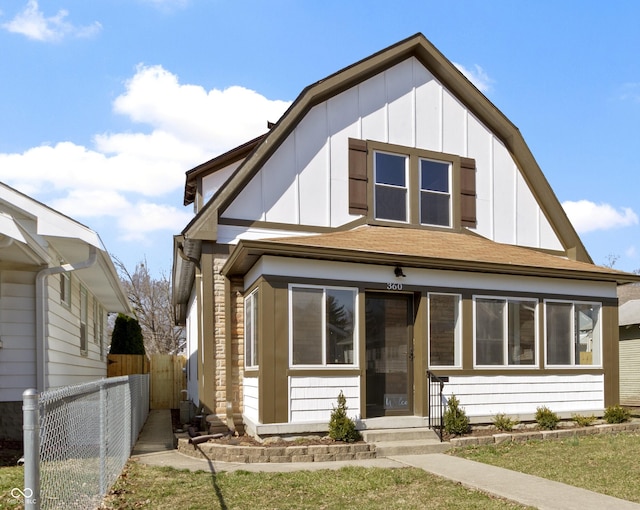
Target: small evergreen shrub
column 503, row 422
column 546, row 418
column 584, row 421
column 341, row 427
column 456, row 421
column 616, row 414
column 127, row 336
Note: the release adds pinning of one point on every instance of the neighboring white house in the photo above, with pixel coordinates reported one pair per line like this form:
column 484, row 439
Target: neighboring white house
column 393, row 221
column 629, row 320
column 57, row 284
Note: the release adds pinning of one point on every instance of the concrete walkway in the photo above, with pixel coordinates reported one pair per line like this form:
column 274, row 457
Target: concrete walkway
column 155, row 447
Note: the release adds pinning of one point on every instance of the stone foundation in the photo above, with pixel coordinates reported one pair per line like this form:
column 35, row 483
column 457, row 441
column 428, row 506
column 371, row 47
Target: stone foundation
column 262, row 454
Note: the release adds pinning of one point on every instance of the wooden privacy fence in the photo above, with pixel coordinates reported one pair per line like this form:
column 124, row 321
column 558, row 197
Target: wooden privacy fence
column 127, row 364
column 167, row 379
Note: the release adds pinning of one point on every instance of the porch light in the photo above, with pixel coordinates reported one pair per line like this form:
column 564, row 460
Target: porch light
column 399, row 273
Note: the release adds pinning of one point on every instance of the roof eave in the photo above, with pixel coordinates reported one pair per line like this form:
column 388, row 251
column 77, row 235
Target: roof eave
column 247, row 252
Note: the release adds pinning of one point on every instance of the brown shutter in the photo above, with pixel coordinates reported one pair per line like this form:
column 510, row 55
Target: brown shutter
column 468, row 192
column 357, row 177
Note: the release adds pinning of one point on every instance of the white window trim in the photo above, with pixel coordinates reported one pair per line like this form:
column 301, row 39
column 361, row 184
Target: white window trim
column 406, row 187
column 505, row 343
column 356, row 315
column 449, row 193
column 458, row 332
column 251, row 296
column 573, row 304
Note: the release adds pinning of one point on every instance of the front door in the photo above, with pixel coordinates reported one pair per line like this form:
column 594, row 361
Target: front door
column 389, row 344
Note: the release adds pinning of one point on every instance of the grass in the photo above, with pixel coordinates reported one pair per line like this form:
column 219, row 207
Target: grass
column 606, row 463
column 10, row 477
column 143, row 486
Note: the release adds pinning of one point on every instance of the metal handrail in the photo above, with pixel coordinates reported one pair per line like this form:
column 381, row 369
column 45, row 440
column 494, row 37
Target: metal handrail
column 436, row 403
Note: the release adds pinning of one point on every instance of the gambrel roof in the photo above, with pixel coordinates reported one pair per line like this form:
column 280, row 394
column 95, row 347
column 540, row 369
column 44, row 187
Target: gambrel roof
column 204, row 224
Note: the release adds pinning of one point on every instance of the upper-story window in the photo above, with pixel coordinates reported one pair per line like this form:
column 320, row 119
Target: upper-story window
column 391, row 183
column 435, row 193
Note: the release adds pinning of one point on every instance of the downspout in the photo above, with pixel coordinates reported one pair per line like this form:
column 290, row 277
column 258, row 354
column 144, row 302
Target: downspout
column 41, row 300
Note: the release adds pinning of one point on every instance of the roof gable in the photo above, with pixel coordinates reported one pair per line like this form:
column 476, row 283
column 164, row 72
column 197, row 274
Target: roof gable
column 203, row 226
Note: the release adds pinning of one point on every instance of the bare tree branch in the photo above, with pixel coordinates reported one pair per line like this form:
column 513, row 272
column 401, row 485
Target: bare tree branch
column 151, row 302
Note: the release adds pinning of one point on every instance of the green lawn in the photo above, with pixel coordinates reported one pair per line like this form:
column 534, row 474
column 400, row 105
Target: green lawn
column 605, row 463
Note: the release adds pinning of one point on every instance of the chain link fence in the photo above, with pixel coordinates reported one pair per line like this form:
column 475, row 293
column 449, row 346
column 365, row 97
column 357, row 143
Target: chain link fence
column 78, row 439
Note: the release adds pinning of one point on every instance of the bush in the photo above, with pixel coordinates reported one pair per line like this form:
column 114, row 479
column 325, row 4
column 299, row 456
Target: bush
column 127, row 336
column 547, row 419
column 341, row 427
column 584, row 421
column 456, row 421
column 616, row 414
column 504, row 423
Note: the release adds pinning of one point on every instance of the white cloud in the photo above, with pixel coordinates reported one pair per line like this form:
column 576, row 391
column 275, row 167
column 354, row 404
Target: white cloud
column 130, row 176
column 588, row 216
column 477, row 76
column 32, row 23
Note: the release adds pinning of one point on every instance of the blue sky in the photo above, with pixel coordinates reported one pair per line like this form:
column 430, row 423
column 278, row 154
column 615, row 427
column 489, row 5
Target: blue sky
column 105, row 104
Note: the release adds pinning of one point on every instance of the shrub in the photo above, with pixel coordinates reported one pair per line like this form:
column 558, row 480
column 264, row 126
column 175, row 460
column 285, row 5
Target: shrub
column 584, row 421
column 456, row 421
column 127, row 336
column 547, row 419
column 503, row 422
column 616, row 414
column 341, row 427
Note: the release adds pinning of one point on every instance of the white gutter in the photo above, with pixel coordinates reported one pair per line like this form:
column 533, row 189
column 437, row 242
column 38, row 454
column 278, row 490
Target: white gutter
column 41, row 300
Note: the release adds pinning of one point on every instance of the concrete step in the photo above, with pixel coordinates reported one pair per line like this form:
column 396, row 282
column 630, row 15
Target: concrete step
column 410, row 447
column 405, row 434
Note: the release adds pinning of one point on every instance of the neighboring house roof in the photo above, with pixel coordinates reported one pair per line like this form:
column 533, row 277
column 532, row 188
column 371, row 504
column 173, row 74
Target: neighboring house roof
column 629, row 313
column 422, row 248
column 29, row 228
column 204, row 224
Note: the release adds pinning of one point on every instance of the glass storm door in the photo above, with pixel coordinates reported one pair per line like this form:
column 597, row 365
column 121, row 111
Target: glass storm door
column 389, row 346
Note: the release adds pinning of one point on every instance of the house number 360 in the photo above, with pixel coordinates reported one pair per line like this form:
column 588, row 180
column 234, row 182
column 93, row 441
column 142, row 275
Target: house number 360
column 394, row 286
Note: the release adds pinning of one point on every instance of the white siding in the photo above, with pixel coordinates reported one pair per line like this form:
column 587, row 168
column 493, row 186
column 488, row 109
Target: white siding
column 486, row 396
column 211, row 183
column 327, row 270
column 311, row 399
column 192, row 328
column 17, row 332
column 65, row 364
column 630, row 372
column 305, row 180
column 251, row 398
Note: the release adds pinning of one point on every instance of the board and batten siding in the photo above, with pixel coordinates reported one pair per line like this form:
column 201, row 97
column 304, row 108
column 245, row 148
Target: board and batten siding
column 311, row 399
column 305, row 181
column 17, row 332
column 630, row 371
column 486, row 396
column 251, row 398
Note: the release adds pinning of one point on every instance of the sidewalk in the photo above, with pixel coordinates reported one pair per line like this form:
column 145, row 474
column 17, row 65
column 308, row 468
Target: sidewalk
column 155, row 447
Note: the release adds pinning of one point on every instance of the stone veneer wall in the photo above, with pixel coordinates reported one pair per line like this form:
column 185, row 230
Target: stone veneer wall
column 262, row 454
column 219, row 364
